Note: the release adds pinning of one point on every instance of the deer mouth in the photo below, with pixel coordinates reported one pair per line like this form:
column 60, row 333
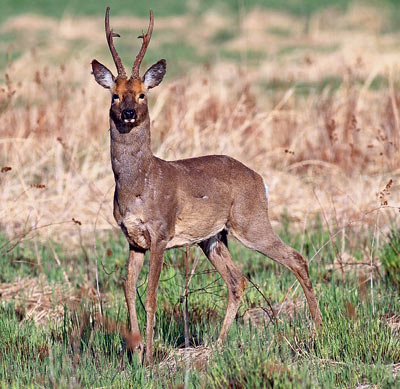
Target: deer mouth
column 125, row 127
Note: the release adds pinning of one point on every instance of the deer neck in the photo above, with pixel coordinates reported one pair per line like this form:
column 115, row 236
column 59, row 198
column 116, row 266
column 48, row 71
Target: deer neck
column 131, row 159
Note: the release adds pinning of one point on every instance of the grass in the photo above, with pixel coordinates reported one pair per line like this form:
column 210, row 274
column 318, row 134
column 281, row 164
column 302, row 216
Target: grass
column 308, row 99
column 58, row 8
column 357, row 345
column 391, row 257
column 329, row 83
column 305, row 88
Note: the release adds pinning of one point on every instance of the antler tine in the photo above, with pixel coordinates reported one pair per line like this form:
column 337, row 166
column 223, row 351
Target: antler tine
column 110, row 34
column 146, row 40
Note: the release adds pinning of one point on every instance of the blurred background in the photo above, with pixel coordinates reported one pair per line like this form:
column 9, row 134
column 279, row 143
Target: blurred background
column 304, row 92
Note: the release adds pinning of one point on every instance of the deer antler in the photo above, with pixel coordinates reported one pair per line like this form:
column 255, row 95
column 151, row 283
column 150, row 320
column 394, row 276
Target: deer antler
column 146, row 40
column 110, row 34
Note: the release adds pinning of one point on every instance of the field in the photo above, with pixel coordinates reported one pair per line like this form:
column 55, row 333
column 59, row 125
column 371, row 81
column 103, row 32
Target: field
column 305, row 93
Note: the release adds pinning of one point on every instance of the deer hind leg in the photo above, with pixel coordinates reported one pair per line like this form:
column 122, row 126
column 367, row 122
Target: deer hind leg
column 298, row 265
column 218, row 254
column 253, row 229
column 135, row 264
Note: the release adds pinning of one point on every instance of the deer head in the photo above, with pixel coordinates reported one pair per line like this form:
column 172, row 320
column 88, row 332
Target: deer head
column 128, row 95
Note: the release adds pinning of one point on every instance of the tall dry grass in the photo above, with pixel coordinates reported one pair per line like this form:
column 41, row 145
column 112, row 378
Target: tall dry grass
column 330, row 151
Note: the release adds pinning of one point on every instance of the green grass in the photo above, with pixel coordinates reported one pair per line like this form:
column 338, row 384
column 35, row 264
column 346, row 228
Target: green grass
column 279, row 31
column 306, row 48
column 249, row 57
column 391, row 257
column 58, row 8
column 223, row 36
column 330, row 83
column 355, row 346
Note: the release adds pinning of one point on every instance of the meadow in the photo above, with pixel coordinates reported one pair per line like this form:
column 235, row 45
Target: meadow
column 307, row 95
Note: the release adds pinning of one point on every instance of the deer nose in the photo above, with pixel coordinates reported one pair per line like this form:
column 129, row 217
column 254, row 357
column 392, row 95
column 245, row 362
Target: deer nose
column 128, row 114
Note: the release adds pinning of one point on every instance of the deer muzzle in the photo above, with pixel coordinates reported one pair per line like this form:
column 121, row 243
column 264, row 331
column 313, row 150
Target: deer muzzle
column 128, row 115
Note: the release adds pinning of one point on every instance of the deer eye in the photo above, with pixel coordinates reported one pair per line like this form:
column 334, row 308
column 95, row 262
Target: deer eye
column 141, row 96
column 115, row 97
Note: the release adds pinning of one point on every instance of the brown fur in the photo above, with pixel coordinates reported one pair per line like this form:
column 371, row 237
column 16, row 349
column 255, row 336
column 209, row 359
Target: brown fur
column 163, row 204
column 129, row 92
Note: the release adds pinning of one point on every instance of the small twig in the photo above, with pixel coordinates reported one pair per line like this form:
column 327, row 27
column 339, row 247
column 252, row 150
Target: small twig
column 85, row 253
column 371, row 256
column 59, row 263
column 284, row 337
column 196, row 261
column 105, row 271
column 169, row 278
column 139, row 295
column 22, row 237
column 97, row 258
column 205, row 287
column 185, row 311
column 208, row 271
column 27, row 262
column 51, row 366
column 274, row 318
column 338, row 253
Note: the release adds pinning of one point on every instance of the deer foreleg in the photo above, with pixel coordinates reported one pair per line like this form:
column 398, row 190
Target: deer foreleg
column 156, row 261
column 135, row 264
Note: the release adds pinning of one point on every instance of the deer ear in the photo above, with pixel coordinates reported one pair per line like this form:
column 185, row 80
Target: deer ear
column 155, row 74
column 102, row 75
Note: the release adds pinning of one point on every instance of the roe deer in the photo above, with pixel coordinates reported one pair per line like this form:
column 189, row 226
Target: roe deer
column 163, row 204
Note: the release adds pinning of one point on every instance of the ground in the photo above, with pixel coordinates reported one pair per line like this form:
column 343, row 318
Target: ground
column 307, row 95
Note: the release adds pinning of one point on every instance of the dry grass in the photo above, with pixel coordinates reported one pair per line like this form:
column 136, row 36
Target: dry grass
column 330, row 151
column 194, row 357
column 35, row 299
column 261, row 317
